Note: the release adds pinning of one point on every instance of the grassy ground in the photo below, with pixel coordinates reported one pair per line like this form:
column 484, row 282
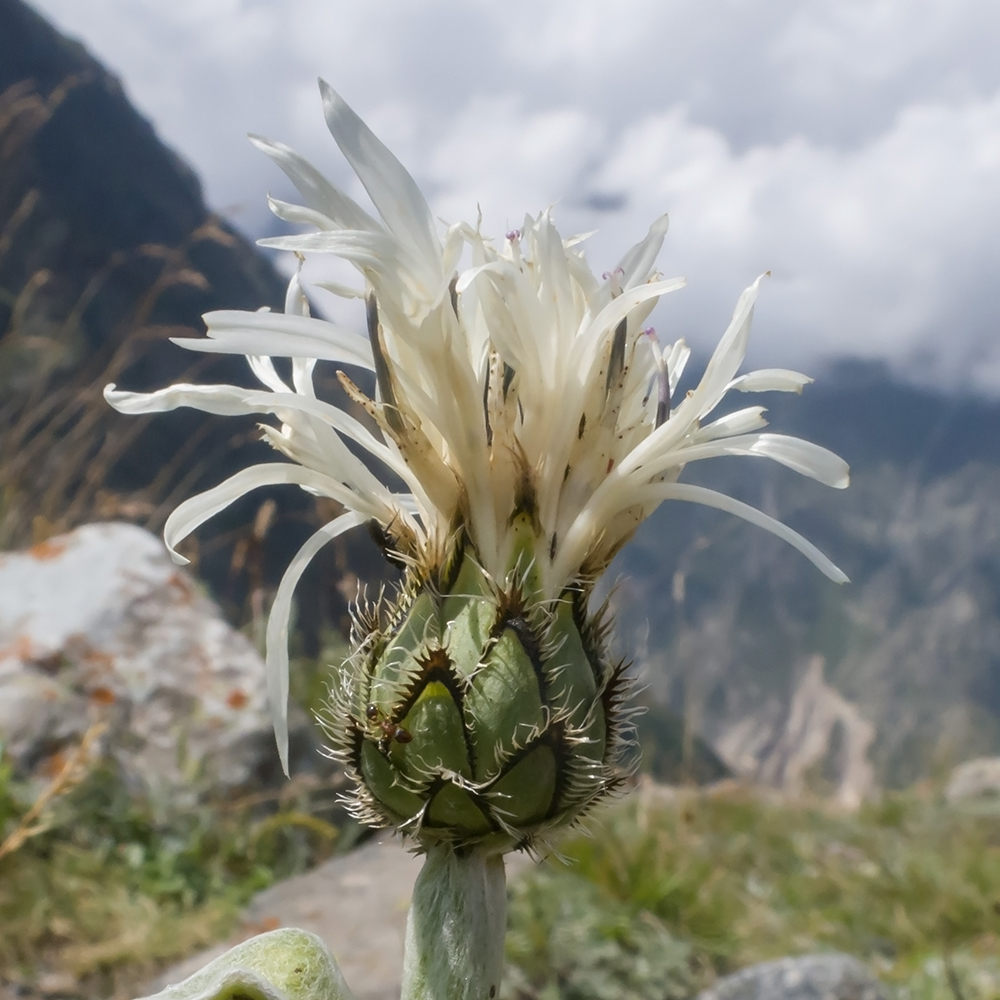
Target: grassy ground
column 97, row 890
column 909, row 885
column 664, row 893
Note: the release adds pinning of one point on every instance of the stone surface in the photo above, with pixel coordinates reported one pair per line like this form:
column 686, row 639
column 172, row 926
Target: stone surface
column 973, row 779
column 816, row 728
column 100, row 625
column 809, row 977
column 357, row 903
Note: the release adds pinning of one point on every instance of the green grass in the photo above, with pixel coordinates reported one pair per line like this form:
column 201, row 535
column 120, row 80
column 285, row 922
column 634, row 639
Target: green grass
column 659, row 897
column 106, row 892
column 910, row 886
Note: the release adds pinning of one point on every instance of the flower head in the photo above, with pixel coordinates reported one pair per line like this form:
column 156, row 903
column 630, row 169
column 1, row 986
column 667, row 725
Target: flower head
column 519, row 399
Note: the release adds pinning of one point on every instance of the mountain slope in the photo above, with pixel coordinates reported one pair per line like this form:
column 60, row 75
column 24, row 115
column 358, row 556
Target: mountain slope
column 725, row 620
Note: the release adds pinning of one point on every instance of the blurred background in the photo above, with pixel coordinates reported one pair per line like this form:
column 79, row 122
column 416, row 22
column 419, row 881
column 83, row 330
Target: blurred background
column 851, row 148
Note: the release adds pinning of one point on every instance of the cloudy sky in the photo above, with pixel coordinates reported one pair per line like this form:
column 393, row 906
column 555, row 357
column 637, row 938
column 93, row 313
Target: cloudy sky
column 852, row 147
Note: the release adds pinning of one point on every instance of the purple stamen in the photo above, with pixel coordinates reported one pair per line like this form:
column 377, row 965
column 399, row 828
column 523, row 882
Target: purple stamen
column 514, row 236
column 614, row 277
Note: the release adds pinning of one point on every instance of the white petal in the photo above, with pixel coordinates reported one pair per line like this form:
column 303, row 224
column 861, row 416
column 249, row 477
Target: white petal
column 710, row 498
column 335, row 417
column 299, row 214
column 277, row 626
column 391, row 188
column 577, row 238
column 318, row 192
column 263, row 367
column 638, row 263
column 379, row 251
column 280, row 336
column 803, row 457
column 344, row 291
column 233, row 400
column 771, row 380
column 740, row 422
column 275, row 343
column 727, row 357
column 224, row 400
column 618, row 308
column 677, row 361
column 198, row 509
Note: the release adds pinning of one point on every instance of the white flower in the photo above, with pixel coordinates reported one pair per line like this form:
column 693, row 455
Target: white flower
column 521, row 384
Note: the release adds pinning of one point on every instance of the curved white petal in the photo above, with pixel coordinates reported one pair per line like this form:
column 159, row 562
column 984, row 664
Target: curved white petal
column 278, row 335
column 803, row 457
column 263, row 367
column 198, row 509
column 637, row 264
column 299, row 215
column 233, row 400
column 389, row 185
column 318, row 192
column 710, row 498
column 378, row 251
column 727, row 356
column 224, row 400
column 338, row 419
column 740, row 422
column 771, row 380
column 276, row 659
column 618, row 308
column 336, row 288
column 677, row 361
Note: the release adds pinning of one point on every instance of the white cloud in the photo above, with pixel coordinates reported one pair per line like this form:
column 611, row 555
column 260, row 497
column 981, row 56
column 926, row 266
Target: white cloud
column 851, row 146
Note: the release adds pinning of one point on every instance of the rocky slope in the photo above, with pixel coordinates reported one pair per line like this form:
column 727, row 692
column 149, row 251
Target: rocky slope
column 740, row 633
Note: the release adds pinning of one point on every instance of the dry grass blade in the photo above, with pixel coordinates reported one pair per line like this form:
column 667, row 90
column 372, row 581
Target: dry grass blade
column 73, row 769
column 61, row 441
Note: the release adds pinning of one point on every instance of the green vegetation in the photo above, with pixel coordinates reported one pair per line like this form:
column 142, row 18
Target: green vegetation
column 664, row 892
column 909, row 885
column 96, row 886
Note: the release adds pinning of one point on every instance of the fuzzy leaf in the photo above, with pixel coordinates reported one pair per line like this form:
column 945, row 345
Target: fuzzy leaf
column 286, row 964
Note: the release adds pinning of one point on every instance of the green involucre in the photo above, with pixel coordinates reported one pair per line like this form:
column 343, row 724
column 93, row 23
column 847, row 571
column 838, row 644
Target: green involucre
column 476, row 713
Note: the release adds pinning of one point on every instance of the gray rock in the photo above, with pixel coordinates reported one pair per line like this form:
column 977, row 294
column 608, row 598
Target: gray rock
column 808, row 977
column 100, row 625
column 357, row 903
column 777, row 747
column 974, row 779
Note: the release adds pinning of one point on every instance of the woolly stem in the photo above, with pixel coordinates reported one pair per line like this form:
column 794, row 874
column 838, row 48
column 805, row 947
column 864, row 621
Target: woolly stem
column 456, row 927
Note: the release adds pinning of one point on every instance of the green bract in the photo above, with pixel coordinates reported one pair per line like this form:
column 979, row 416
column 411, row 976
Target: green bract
column 478, row 712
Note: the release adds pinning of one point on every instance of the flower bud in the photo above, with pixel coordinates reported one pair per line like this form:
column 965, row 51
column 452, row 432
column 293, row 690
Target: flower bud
column 480, row 713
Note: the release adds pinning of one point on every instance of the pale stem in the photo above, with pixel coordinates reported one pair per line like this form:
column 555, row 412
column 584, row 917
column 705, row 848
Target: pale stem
column 456, row 926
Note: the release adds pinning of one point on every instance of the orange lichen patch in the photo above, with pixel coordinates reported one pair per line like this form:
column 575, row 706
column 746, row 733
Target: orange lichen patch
column 102, row 696
column 97, row 658
column 47, row 550
column 237, row 698
column 79, row 648
column 20, row 649
column 180, row 583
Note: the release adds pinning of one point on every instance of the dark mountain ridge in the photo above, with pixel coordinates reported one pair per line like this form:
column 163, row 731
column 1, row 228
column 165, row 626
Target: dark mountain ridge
column 107, row 249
